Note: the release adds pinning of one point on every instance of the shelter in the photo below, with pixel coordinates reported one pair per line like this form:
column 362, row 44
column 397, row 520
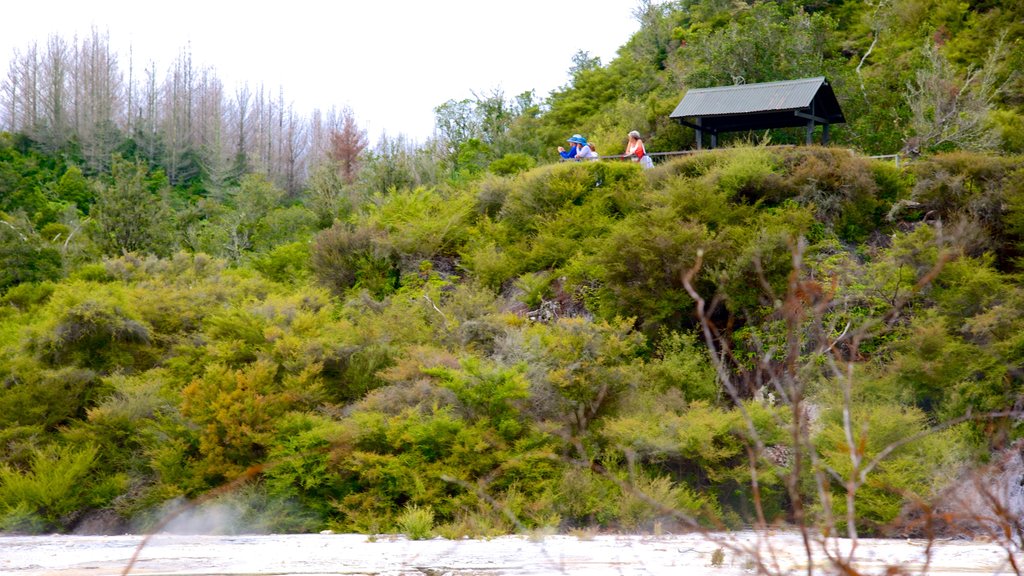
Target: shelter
column 785, row 104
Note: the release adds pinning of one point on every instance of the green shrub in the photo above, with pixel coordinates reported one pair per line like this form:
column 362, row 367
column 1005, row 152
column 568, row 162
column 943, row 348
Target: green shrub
column 51, row 494
column 299, row 470
column 647, row 500
column 92, row 326
column 235, row 412
column 422, row 222
column 350, row 372
column 282, row 226
column 758, row 272
column 28, row 295
column 492, row 264
column 416, row 522
column 491, row 194
column 840, row 187
column 580, row 370
column 544, row 192
column 535, row 288
column 123, row 423
column 343, row 258
column 913, row 471
column 36, row 396
column 24, row 256
column 584, row 498
column 965, row 183
column 681, row 364
column 640, row 267
column 486, row 392
column 511, row 164
column 749, row 175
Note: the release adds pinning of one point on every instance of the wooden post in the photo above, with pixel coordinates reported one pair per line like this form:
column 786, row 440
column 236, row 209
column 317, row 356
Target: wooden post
column 810, row 132
column 824, row 134
column 700, row 135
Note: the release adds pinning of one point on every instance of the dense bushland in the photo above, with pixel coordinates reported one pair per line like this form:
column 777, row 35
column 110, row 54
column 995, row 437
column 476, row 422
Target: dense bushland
column 512, row 353
column 462, row 338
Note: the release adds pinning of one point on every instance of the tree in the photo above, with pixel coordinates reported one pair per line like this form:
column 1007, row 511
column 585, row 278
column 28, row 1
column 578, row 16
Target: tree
column 347, row 145
column 327, row 194
column 950, row 111
column 582, row 62
column 130, row 216
column 760, row 44
column 98, row 93
column 24, row 255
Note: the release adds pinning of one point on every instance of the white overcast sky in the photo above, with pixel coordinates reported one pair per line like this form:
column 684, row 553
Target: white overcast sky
column 391, row 61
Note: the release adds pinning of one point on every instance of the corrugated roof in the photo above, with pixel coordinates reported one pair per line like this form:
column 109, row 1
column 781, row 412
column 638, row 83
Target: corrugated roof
column 749, row 98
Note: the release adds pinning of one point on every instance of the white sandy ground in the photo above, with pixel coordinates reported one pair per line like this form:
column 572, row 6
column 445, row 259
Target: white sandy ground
column 320, row 554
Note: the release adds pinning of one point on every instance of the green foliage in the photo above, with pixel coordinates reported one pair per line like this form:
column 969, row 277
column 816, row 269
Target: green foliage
column 52, row 493
column 47, row 398
column 421, row 222
column 282, row 226
column 74, row 188
column 415, row 392
column 328, row 196
column 580, row 370
column 584, row 498
column 299, row 467
column 234, row 411
column 350, row 372
column 24, row 255
column 287, row 263
column 416, row 522
column 967, row 183
column 489, row 393
column 131, row 217
column 26, row 296
column 680, row 364
column 761, row 43
column 913, row 471
column 512, row 164
column 95, row 333
column 25, row 172
column 748, row 175
column 344, row 258
column 842, row 190
column 640, row 267
column 648, row 500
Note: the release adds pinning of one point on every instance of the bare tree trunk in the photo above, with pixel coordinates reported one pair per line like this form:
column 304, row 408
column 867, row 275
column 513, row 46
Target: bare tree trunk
column 54, row 131
column 99, row 86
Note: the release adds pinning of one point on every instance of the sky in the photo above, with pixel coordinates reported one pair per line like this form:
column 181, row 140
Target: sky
column 391, row 61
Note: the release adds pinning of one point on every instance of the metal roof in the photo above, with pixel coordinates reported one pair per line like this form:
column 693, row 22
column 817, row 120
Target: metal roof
column 750, row 98
column 806, row 102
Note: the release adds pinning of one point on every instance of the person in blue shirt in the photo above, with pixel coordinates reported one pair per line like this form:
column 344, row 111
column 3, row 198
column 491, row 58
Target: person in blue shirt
column 576, row 142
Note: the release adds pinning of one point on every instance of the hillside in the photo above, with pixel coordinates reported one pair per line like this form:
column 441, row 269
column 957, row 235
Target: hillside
column 465, row 338
column 519, row 347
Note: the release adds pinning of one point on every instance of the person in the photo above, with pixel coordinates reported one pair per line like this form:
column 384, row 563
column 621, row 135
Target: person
column 586, row 152
column 574, row 147
column 635, row 150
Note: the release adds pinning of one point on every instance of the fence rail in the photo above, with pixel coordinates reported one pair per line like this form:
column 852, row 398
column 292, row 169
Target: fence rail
column 896, row 158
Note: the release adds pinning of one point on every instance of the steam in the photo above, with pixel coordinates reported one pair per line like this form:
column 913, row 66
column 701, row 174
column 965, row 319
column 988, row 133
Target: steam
column 245, row 511
column 210, row 518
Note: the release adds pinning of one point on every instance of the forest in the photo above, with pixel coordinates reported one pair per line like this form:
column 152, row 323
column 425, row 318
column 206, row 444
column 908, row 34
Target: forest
column 207, row 299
